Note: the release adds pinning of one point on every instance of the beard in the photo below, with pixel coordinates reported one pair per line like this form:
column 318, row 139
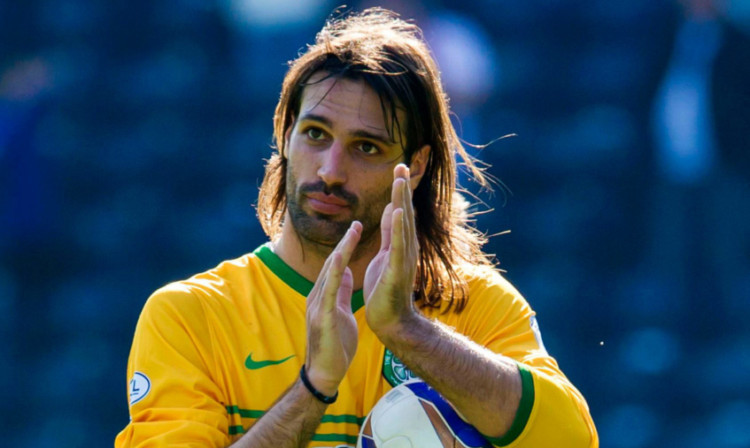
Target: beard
column 323, row 231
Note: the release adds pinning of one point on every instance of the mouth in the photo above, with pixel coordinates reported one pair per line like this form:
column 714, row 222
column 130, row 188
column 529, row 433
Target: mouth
column 326, row 204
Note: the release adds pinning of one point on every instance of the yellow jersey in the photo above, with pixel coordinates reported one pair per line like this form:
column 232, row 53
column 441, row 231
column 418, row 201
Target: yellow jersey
column 212, row 354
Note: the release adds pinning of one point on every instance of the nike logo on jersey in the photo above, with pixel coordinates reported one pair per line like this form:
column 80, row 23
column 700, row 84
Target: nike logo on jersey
column 252, row 364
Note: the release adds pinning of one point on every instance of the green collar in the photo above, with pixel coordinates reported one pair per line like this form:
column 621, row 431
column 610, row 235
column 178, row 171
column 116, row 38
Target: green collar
column 293, row 278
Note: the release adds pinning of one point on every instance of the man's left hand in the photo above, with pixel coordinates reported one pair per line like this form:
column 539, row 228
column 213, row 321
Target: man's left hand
column 389, row 280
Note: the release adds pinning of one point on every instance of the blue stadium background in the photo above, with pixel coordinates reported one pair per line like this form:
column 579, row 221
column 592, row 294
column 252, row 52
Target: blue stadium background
column 132, row 139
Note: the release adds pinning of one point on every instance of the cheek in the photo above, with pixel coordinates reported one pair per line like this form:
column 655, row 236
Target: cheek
column 299, row 161
column 377, row 193
column 290, row 182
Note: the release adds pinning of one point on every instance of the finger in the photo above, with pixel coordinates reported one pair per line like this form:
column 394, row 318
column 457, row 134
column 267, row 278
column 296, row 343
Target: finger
column 396, row 254
column 402, row 171
column 343, row 242
column 320, row 283
column 385, row 227
column 338, row 263
column 324, row 270
column 408, row 206
column 331, row 282
column 401, row 198
column 397, row 199
column 344, row 294
column 397, row 196
column 349, row 242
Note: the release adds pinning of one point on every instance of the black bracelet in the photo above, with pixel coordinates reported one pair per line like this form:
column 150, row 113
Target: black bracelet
column 316, row 393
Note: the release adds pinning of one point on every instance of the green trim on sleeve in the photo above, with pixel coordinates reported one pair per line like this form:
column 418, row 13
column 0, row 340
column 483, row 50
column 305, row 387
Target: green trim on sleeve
column 292, row 278
column 524, row 410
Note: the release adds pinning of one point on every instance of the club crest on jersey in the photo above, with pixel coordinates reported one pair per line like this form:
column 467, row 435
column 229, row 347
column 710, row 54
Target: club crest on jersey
column 394, row 370
column 139, row 387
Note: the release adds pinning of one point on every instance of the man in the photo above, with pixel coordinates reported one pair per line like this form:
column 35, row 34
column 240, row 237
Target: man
column 700, row 215
column 360, row 199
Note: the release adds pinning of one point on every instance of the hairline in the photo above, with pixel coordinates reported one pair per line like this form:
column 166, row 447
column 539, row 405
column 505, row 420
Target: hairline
column 390, row 103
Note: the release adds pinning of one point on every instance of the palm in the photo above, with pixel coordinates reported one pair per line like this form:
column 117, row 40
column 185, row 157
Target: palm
column 331, row 327
column 348, row 326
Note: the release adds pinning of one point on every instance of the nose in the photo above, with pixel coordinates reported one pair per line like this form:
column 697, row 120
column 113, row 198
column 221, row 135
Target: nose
column 333, row 164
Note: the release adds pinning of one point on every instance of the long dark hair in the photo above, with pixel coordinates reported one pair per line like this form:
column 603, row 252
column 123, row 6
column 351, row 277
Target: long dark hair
column 390, row 55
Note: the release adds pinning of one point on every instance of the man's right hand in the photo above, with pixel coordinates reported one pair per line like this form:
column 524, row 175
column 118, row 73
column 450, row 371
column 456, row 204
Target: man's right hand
column 331, row 327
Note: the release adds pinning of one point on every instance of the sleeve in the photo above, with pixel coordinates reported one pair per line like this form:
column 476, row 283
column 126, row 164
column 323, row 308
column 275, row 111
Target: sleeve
column 552, row 411
column 173, row 400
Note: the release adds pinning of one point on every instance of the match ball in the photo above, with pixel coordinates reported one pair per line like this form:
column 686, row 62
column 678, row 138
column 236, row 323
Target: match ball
column 414, row 415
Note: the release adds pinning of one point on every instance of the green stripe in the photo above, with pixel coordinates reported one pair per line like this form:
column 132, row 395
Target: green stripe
column 234, row 430
column 344, row 418
column 246, row 413
column 346, row 438
column 524, row 410
column 327, row 418
column 296, row 281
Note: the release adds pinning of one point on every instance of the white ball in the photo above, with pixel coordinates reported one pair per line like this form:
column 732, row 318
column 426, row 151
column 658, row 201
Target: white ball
column 414, row 415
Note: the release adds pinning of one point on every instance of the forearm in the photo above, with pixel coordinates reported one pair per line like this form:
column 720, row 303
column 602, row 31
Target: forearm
column 291, row 422
column 483, row 386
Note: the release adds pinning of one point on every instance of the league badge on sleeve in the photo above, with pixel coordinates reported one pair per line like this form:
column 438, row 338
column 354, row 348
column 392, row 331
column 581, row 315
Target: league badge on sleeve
column 537, row 333
column 139, row 387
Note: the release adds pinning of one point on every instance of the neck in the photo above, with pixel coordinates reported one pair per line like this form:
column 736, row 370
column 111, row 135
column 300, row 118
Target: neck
column 307, row 258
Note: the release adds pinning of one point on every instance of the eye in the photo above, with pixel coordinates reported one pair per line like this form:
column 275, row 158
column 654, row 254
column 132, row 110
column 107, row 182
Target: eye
column 315, row 134
column 369, row 148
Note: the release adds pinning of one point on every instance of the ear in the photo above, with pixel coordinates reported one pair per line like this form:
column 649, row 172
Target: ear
column 418, row 165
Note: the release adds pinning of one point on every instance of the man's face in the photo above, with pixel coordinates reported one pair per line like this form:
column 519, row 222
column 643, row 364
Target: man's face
column 340, row 161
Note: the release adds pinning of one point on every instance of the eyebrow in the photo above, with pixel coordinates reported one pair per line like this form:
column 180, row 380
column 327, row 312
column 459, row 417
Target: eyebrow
column 361, row 133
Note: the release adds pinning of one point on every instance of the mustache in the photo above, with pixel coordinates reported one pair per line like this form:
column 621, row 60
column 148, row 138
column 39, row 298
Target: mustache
column 334, row 190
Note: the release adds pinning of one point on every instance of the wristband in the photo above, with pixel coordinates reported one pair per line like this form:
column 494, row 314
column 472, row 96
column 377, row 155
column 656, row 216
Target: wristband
column 316, row 393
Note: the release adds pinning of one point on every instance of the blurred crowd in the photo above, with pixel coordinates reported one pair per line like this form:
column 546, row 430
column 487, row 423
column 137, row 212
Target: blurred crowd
column 133, row 136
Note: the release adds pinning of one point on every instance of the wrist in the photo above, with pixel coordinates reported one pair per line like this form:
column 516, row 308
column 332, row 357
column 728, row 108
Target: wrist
column 399, row 330
column 386, row 315
column 318, row 382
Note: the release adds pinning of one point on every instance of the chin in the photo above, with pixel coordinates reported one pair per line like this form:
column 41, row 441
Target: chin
column 323, row 230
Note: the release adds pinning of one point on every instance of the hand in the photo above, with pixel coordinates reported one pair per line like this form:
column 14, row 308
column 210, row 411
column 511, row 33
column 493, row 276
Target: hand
column 389, row 280
column 331, row 327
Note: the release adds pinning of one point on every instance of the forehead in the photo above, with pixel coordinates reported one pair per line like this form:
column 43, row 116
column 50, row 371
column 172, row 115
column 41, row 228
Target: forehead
column 349, row 103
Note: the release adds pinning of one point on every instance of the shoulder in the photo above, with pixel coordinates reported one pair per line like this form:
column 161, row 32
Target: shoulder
column 492, row 298
column 485, row 276
column 488, row 294
column 487, row 284
column 496, row 315
column 217, row 287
